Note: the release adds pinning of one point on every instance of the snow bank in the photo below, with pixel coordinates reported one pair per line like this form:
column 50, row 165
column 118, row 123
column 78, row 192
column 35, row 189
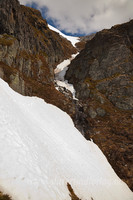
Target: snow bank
column 41, row 150
column 72, row 39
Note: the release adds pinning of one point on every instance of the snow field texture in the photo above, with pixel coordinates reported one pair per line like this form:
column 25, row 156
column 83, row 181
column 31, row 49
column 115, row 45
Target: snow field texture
column 41, row 150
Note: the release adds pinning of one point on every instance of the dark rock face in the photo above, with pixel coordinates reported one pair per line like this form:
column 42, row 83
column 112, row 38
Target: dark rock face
column 83, row 40
column 102, row 75
column 29, row 52
column 31, row 31
column 107, row 64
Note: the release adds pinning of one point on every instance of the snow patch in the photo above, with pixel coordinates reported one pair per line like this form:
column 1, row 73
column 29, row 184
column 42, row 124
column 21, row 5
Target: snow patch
column 41, row 150
column 61, row 69
column 60, row 72
column 72, row 39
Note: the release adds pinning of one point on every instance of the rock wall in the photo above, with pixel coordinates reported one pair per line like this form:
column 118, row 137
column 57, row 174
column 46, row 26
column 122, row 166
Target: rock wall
column 29, row 52
column 102, row 75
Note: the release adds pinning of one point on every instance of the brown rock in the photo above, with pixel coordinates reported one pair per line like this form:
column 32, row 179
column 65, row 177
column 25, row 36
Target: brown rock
column 105, row 66
column 29, row 52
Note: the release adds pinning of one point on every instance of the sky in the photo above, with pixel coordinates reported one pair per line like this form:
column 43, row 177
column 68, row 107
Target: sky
column 83, row 17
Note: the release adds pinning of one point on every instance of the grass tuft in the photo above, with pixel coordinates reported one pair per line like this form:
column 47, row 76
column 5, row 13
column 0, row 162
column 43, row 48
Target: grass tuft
column 72, row 193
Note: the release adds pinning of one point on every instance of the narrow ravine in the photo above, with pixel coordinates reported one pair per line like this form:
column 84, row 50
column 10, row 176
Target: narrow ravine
column 60, row 72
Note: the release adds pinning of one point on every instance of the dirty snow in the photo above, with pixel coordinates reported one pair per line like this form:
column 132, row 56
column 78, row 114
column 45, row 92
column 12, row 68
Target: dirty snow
column 41, row 150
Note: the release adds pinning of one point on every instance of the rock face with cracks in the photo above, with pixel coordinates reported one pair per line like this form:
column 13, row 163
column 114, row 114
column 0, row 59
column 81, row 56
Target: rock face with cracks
column 102, row 75
column 29, row 52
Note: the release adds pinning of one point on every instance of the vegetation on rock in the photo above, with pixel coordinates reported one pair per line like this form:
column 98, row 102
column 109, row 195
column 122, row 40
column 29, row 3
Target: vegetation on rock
column 101, row 75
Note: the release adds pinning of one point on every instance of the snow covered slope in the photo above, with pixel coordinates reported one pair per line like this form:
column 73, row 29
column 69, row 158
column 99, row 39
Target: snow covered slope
column 72, row 39
column 41, row 150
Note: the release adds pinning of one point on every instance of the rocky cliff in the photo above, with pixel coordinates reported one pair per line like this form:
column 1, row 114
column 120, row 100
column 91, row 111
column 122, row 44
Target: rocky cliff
column 29, row 52
column 83, row 40
column 102, row 75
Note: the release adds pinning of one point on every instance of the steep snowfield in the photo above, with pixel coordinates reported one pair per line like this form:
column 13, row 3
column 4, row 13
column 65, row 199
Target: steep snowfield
column 41, row 150
column 72, row 39
column 60, row 72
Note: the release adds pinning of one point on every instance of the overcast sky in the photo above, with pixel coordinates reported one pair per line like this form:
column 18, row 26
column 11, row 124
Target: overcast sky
column 85, row 16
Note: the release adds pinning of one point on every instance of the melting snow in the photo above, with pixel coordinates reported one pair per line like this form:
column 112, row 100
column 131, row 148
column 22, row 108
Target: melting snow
column 61, row 69
column 41, row 150
column 72, row 39
column 60, row 72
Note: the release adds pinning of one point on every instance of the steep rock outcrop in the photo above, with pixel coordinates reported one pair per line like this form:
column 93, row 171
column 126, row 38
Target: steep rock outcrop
column 29, row 52
column 102, row 75
column 83, row 40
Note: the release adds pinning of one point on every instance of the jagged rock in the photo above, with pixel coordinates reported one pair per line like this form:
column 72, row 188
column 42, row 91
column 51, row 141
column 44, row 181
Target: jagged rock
column 82, row 41
column 29, row 52
column 64, row 91
column 80, row 119
column 105, row 66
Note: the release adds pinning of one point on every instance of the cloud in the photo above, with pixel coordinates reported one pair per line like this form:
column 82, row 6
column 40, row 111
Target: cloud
column 85, row 16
